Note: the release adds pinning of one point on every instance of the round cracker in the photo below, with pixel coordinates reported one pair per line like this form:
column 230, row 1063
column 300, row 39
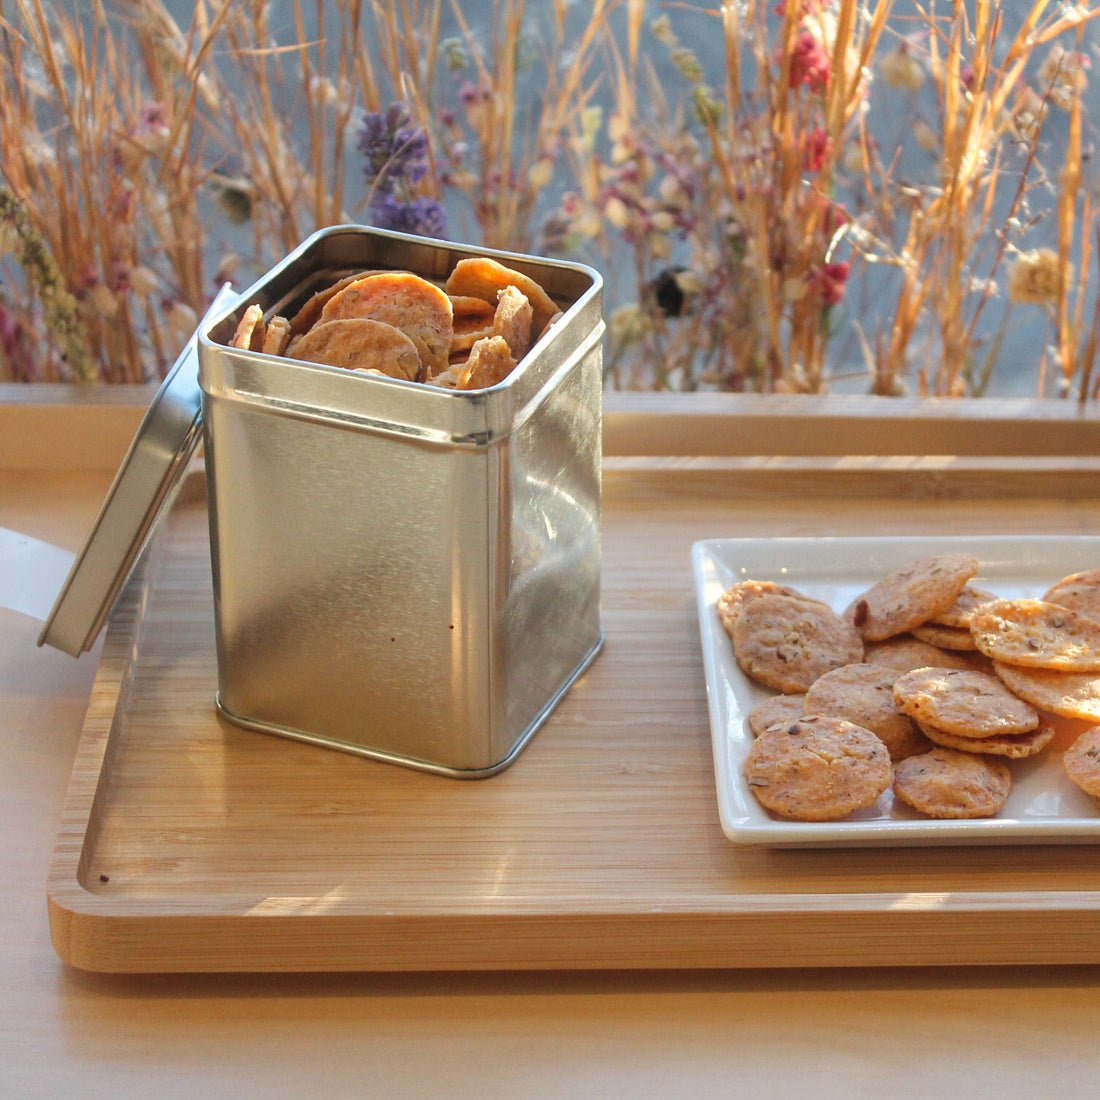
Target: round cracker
column 310, row 311
column 906, row 652
column 864, row 694
column 465, row 305
column 912, row 595
column 1037, row 634
column 962, row 610
column 946, row 637
column 1070, row 694
column 1015, row 746
column 775, row 710
column 786, row 643
column 1082, row 762
column 1079, row 592
column 360, row 344
column 948, row 783
column 406, row 301
column 817, row 769
column 484, row 277
column 734, row 599
column 968, row 704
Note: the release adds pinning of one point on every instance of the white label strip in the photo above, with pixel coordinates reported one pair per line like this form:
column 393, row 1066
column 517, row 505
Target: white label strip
column 32, row 573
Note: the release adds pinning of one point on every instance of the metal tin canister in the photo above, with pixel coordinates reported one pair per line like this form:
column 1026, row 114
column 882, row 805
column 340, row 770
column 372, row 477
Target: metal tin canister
column 402, row 571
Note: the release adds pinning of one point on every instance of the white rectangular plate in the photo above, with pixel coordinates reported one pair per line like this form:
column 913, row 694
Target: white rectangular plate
column 1044, row 806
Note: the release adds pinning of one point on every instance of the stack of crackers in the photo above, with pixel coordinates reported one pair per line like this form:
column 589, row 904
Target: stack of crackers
column 925, row 683
column 467, row 334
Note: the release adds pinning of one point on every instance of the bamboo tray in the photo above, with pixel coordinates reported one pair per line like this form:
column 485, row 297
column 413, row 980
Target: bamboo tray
column 188, row 844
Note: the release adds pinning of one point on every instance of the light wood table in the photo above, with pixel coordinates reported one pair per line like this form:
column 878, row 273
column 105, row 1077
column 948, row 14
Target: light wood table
column 1023, row 1031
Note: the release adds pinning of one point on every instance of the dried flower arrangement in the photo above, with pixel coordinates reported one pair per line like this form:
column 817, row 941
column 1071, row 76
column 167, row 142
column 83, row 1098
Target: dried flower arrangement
column 800, row 196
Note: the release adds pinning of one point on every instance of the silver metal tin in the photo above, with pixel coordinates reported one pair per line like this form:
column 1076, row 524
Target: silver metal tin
column 400, row 571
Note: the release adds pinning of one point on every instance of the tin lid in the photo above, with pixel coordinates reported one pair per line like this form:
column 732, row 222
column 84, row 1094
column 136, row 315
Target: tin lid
column 141, row 494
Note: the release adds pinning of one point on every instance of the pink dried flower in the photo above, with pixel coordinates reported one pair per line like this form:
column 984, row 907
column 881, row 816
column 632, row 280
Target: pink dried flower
column 809, row 63
column 816, row 149
column 153, row 119
column 829, row 281
column 15, row 346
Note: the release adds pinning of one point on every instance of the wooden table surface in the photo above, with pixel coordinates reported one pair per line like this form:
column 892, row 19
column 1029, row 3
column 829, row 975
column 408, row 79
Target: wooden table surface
column 913, row 1031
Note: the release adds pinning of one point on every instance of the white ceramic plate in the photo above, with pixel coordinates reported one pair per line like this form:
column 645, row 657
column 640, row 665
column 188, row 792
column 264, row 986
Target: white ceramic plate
column 1044, row 806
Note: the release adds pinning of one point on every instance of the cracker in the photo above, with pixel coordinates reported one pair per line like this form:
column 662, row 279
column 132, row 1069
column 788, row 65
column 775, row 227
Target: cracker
column 786, row 643
column 1082, row 762
column 1079, row 592
column 962, row 610
column 775, row 710
column 948, row 783
column 406, row 301
column 912, row 595
column 360, row 344
column 468, row 330
column 448, row 379
column 310, row 312
column 490, row 362
column 968, row 704
column 817, row 769
column 249, row 334
column 466, row 306
column 483, row 277
column 1070, row 694
column 1037, row 634
column 277, row 336
column 1015, row 746
column 512, row 320
column 945, row 637
column 864, row 694
column 734, row 599
column 906, row 652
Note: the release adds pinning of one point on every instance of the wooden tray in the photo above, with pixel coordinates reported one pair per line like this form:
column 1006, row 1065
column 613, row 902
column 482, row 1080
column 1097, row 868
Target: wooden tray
column 188, row 844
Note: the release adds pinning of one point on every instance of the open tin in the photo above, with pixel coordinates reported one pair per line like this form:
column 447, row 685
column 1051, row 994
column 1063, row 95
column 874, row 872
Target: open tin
column 400, row 571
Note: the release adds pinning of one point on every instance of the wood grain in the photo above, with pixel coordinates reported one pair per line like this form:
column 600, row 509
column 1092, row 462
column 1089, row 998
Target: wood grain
column 188, row 844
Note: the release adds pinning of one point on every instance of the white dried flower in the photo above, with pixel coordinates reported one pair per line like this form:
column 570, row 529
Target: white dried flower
column 102, row 300
column 322, row 89
column 660, row 247
column 143, row 281
column 617, row 128
column 541, row 173
column 629, row 324
column 616, row 212
column 227, row 267
column 663, row 221
column 690, row 282
column 1037, row 277
column 9, row 237
column 182, row 320
column 1028, row 113
column 900, row 69
column 925, row 135
column 1063, row 72
column 794, row 289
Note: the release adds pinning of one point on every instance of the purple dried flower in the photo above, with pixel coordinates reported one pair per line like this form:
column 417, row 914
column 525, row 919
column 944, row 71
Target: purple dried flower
column 423, row 216
column 396, row 153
